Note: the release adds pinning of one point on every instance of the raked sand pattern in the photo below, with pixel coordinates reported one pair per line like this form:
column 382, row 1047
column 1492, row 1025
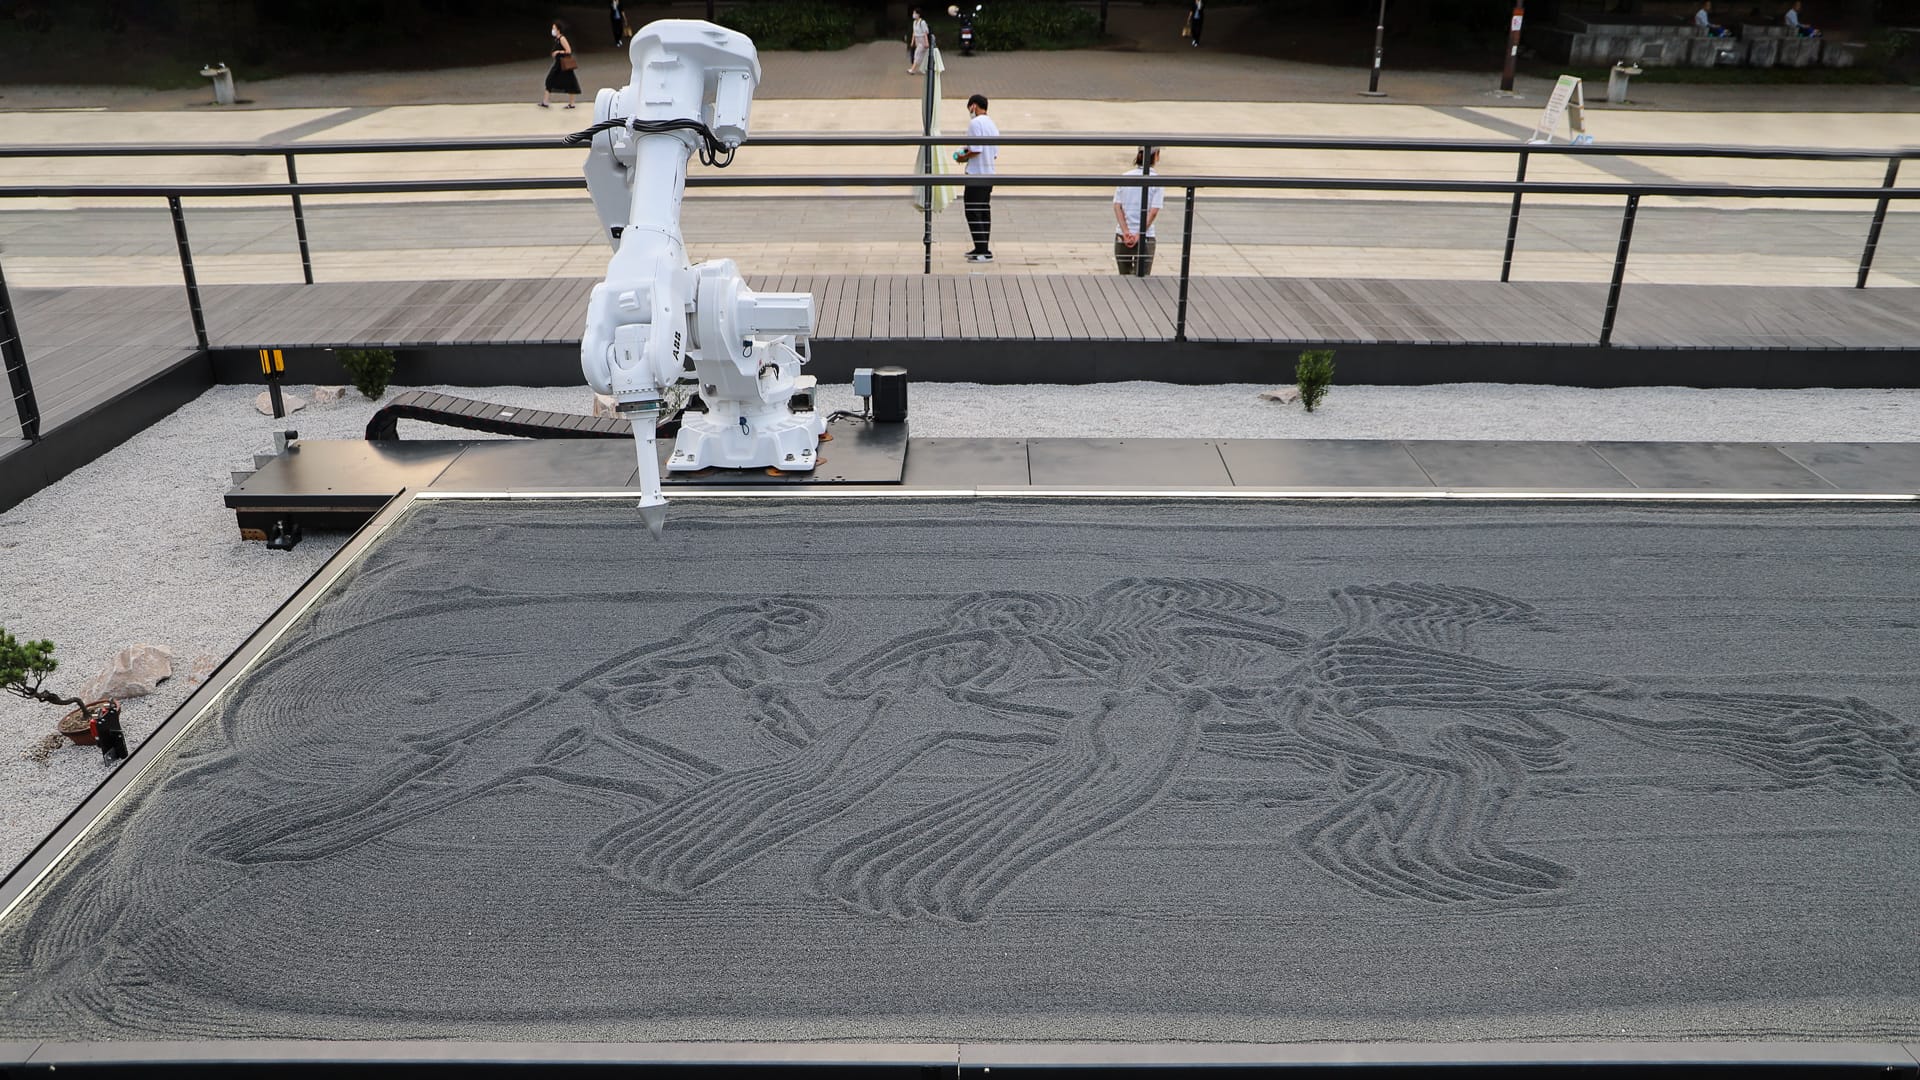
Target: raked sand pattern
column 1009, row 770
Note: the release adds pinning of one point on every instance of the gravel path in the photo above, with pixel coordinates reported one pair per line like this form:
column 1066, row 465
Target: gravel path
column 138, row 548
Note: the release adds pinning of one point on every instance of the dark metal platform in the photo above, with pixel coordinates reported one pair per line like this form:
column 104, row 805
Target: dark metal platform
column 341, row 483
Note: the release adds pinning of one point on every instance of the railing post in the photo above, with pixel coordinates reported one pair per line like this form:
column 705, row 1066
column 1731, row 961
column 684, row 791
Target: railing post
column 14, row 352
column 1879, row 219
column 1186, row 263
column 928, row 106
column 1513, row 219
column 1140, row 245
column 299, row 221
column 186, row 269
column 1619, row 270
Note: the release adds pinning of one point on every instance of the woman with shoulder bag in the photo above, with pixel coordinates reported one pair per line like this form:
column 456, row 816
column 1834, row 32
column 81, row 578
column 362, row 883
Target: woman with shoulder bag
column 560, row 77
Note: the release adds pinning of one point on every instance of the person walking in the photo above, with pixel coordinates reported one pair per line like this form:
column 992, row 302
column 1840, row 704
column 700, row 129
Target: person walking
column 1196, row 20
column 980, row 159
column 922, row 41
column 1133, row 238
column 617, row 17
column 560, row 77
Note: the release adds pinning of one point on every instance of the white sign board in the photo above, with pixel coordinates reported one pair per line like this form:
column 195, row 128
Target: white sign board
column 1569, row 101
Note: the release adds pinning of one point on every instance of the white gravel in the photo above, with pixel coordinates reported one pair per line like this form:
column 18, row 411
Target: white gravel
column 138, row 548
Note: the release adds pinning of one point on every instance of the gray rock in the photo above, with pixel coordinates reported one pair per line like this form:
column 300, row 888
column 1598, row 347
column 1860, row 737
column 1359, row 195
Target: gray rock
column 328, row 395
column 1285, row 395
column 135, row 672
column 203, row 666
column 293, row 402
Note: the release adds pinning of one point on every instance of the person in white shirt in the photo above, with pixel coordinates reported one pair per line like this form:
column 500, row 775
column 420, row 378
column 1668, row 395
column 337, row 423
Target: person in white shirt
column 1703, row 20
column 1133, row 239
column 1794, row 25
column 922, row 40
column 980, row 159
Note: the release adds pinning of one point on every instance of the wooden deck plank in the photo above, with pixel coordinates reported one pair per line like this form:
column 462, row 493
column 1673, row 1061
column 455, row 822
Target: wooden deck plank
column 83, row 342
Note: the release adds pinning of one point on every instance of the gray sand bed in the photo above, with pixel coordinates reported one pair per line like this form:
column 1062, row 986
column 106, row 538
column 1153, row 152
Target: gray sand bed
column 1042, row 770
column 138, row 548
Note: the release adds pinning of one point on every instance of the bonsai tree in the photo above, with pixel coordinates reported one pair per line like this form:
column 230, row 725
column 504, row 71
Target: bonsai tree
column 24, row 667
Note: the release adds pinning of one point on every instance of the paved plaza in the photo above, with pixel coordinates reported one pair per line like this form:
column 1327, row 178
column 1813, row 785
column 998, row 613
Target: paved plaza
column 849, row 230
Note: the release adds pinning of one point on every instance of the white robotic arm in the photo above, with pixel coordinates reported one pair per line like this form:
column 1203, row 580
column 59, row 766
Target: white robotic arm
column 656, row 317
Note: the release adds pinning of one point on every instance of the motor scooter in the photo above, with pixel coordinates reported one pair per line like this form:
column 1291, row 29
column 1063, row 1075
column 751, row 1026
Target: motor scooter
column 966, row 26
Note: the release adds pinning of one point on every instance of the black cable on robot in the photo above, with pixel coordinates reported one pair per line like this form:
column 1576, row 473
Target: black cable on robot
column 712, row 151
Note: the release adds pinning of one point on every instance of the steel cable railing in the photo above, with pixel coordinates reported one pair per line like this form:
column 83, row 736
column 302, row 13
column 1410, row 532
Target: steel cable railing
column 1880, row 197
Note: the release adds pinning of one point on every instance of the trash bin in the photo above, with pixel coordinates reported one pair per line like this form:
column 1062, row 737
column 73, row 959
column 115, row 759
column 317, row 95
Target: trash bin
column 222, row 83
column 1617, row 82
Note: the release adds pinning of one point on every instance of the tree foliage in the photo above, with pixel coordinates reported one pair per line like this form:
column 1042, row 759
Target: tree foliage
column 24, row 667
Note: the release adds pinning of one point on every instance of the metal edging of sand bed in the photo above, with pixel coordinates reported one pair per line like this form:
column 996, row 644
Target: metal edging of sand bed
column 1233, row 493
column 920, row 1060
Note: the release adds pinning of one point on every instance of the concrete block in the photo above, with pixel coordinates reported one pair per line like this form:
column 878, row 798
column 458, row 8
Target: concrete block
column 1798, row 52
column 1840, row 54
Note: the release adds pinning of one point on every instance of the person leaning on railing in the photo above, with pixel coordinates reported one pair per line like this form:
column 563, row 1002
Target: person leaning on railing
column 1133, row 239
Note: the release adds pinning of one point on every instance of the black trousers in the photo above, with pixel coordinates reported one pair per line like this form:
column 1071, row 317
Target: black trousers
column 979, row 203
column 1136, row 261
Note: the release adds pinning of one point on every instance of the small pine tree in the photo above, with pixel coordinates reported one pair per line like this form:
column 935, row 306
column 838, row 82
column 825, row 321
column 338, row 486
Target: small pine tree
column 370, row 370
column 25, row 665
column 1313, row 373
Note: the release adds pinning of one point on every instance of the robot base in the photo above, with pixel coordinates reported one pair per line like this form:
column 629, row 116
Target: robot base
column 788, row 441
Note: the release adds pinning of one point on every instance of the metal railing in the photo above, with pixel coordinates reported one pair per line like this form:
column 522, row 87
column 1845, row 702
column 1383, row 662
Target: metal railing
column 1881, row 197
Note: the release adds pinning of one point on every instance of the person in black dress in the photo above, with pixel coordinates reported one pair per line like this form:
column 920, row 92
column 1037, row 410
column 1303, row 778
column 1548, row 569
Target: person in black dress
column 617, row 16
column 560, row 78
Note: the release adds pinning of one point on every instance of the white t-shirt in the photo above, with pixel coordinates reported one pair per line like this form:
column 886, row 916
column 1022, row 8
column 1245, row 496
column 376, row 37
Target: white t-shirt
column 981, row 164
column 1128, row 199
column 919, row 32
column 1793, row 19
column 1701, row 20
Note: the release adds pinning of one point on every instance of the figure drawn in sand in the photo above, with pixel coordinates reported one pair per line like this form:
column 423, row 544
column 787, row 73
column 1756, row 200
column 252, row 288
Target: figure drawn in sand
column 1083, row 712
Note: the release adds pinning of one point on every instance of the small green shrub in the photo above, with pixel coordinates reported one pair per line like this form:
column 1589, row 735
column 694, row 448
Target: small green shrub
column 1313, row 373
column 370, row 369
column 808, row 25
column 1032, row 24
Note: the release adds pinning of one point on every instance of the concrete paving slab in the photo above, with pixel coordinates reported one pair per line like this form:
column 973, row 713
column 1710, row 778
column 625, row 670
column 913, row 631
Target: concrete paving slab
column 1321, row 463
column 963, row 464
column 1515, row 466
column 1709, row 467
column 1891, row 467
column 1125, row 463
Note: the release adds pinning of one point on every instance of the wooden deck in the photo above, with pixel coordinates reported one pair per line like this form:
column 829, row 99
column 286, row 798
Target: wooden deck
column 86, row 345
